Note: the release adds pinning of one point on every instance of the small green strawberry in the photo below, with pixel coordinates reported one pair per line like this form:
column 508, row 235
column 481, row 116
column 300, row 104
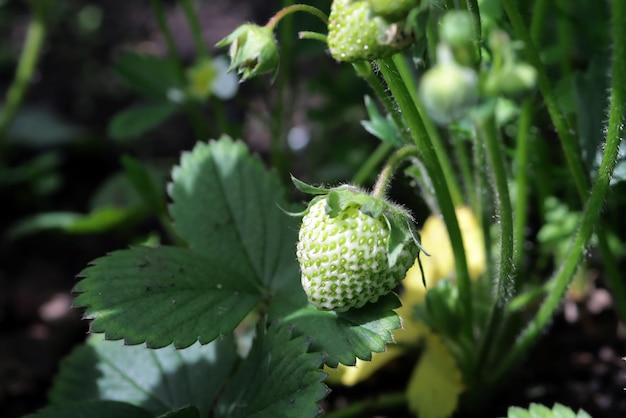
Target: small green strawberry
column 353, row 248
column 392, row 10
column 355, row 34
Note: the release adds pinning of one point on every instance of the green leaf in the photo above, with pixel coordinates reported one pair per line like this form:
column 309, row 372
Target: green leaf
column 157, row 380
column 92, row 409
column 383, row 128
column 227, row 205
column 279, row 378
column 137, row 120
column 148, row 74
column 144, row 183
column 541, row 411
column 344, row 337
column 164, row 295
column 184, row 412
column 307, row 188
column 99, row 220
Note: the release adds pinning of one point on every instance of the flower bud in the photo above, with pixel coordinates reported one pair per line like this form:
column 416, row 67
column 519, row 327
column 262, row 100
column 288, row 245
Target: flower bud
column 253, row 50
column 448, row 90
column 511, row 80
column 457, row 32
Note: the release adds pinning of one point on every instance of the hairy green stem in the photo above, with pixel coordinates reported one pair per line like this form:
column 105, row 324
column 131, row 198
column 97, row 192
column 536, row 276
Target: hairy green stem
column 522, row 156
column 568, row 142
column 25, row 67
column 615, row 132
column 472, row 7
column 385, row 176
column 198, row 123
column 463, row 161
column 370, row 406
column 431, row 130
column 487, row 131
column 565, row 134
column 398, row 86
column 292, row 8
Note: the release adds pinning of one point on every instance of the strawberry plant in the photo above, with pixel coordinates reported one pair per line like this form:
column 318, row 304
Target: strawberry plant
column 255, row 304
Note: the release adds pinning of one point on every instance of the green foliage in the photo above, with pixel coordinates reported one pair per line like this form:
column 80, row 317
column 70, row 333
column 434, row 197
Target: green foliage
column 171, row 322
column 156, row 380
column 278, row 378
column 540, row 411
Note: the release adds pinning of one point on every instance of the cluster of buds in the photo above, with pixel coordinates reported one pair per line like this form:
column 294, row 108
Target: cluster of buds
column 454, row 85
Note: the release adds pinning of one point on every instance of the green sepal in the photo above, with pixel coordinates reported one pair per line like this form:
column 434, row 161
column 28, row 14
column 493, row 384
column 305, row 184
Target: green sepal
column 401, row 231
column 342, row 197
column 307, row 188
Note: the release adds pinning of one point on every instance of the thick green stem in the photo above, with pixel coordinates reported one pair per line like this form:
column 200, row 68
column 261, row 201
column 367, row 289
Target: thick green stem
column 385, row 176
column 198, row 123
column 398, row 86
column 25, row 67
column 488, row 133
column 369, row 406
column 615, row 132
column 431, row 130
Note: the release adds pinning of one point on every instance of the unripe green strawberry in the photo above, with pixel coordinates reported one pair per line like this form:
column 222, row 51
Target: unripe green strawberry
column 355, row 34
column 346, row 253
column 392, row 10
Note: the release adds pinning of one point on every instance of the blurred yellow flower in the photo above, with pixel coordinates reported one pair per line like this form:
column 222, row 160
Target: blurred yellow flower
column 440, row 264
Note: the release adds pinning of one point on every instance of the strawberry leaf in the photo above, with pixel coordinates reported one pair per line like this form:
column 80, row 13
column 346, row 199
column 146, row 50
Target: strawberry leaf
column 227, row 205
column 92, row 409
column 356, row 333
column 280, row 377
column 164, row 295
column 540, row 411
column 157, row 380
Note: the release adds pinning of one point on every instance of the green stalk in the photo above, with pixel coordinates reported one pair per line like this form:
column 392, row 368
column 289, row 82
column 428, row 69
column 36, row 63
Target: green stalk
column 522, row 156
column 369, row 406
column 472, row 7
column 289, row 8
column 198, row 123
column 565, row 134
column 487, row 131
column 398, row 86
column 393, row 163
column 369, row 166
column 569, row 145
column 196, row 31
column 25, row 67
column 431, row 130
column 463, row 159
column 203, row 52
column 615, row 131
